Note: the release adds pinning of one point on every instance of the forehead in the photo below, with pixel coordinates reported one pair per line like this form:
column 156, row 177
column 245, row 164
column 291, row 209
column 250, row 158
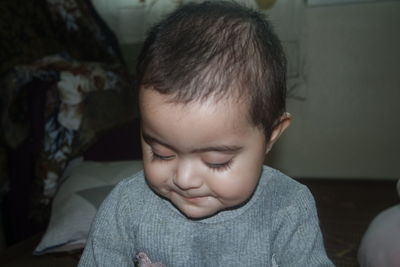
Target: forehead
column 150, row 98
column 212, row 117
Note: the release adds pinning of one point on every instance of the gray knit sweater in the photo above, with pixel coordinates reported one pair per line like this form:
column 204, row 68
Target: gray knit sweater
column 278, row 226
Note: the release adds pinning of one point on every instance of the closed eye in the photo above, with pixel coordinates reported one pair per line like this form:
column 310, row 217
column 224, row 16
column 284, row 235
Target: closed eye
column 156, row 156
column 220, row 166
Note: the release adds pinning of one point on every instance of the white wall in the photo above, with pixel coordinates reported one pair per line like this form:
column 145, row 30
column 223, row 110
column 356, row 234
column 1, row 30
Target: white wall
column 348, row 59
column 349, row 123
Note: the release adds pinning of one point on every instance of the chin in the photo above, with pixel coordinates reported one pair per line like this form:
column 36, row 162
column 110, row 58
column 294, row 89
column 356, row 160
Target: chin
column 197, row 214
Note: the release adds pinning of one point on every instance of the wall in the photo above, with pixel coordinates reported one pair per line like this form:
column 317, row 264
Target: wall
column 346, row 105
column 349, row 123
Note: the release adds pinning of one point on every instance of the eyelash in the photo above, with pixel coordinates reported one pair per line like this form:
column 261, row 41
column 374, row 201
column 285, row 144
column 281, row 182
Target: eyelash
column 213, row 166
column 221, row 166
column 155, row 156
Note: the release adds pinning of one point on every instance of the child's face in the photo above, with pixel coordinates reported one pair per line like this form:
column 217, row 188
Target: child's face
column 203, row 157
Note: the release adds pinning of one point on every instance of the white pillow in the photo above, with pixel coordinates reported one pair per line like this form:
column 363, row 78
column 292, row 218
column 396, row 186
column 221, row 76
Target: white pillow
column 76, row 202
column 380, row 245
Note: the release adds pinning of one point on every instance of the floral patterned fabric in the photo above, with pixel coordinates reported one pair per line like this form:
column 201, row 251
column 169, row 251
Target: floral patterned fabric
column 66, row 45
column 74, row 85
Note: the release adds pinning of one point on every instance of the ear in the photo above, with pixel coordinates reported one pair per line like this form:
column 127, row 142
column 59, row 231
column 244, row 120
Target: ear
column 283, row 124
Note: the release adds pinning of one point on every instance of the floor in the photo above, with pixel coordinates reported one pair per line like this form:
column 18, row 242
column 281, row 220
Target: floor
column 345, row 208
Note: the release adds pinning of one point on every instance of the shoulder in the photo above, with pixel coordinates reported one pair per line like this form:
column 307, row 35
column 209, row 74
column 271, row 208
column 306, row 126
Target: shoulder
column 284, row 192
column 294, row 231
column 127, row 196
column 284, row 186
column 134, row 184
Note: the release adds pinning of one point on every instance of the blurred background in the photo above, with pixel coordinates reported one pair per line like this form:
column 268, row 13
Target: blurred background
column 344, row 80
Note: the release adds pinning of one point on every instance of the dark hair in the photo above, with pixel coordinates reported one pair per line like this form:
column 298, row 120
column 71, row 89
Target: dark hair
column 217, row 49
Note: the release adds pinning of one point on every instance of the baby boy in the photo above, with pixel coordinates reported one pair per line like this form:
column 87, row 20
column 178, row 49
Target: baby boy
column 212, row 88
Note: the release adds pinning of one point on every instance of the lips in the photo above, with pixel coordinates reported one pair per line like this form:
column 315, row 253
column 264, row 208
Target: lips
column 194, row 199
column 189, row 197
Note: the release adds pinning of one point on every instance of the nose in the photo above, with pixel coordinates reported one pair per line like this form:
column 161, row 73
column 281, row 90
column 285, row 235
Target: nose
column 186, row 176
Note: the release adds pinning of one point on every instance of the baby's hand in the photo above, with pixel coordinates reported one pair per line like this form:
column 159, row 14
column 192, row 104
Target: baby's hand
column 144, row 261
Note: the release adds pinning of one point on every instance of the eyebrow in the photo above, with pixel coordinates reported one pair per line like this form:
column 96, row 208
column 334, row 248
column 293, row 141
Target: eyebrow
column 222, row 148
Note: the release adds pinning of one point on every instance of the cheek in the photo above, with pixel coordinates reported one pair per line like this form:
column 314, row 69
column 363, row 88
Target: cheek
column 239, row 183
column 155, row 174
column 152, row 172
column 237, row 186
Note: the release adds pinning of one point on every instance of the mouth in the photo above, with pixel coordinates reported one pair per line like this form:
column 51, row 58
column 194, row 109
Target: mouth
column 192, row 199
